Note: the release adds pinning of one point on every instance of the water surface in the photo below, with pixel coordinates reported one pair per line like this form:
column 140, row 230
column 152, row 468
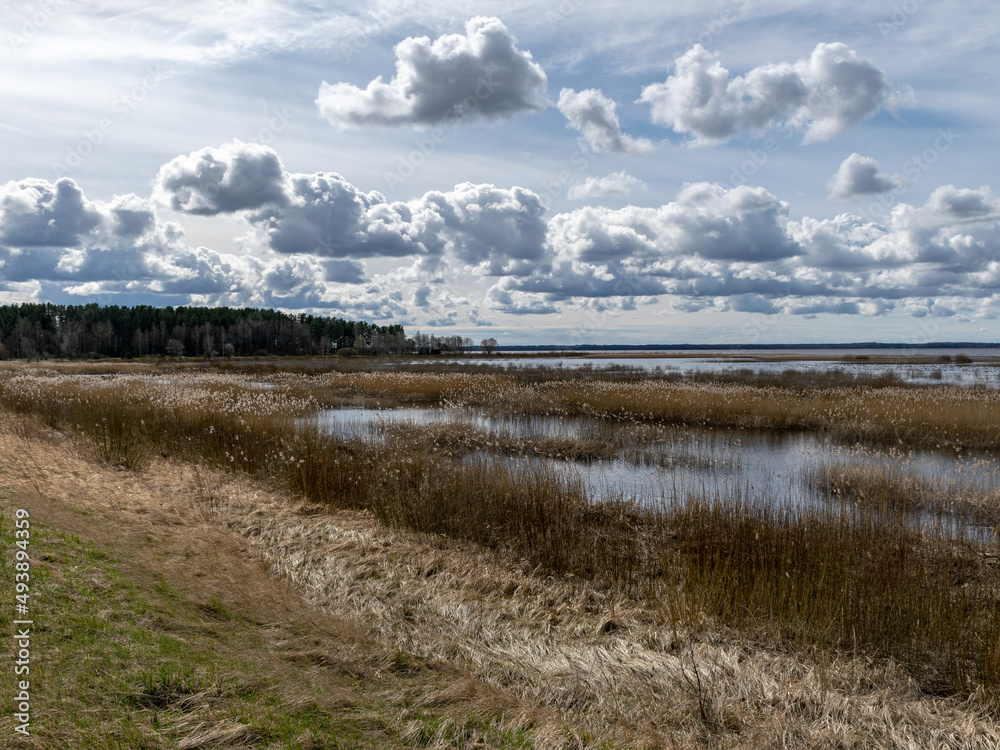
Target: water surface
column 653, row 464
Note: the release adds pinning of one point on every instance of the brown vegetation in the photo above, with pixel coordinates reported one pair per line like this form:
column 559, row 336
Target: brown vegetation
column 939, row 416
column 417, row 640
column 679, row 595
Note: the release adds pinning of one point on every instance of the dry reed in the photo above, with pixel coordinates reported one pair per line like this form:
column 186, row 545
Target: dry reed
column 862, row 581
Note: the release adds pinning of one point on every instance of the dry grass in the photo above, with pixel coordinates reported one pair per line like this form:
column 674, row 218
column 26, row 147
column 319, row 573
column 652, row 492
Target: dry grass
column 895, row 486
column 636, row 681
column 870, row 584
column 897, row 415
column 157, row 627
column 908, row 416
column 464, row 632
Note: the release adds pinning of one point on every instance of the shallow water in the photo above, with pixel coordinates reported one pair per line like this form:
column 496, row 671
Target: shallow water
column 654, row 464
column 977, row 374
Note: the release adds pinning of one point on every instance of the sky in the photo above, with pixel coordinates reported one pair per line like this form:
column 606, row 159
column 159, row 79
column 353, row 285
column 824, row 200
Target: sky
column 720, row 171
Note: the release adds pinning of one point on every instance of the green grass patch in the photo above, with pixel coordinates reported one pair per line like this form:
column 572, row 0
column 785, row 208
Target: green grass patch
column 118, row 664
column 114, row 666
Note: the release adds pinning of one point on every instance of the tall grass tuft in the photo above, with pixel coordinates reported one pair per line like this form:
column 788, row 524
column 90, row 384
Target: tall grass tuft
column 528, row 510
column 896, row 486
column 119, row 437
column 870, row 581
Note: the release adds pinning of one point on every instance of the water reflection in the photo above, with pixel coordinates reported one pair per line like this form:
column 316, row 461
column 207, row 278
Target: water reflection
column 654, row 464
column 944, row 373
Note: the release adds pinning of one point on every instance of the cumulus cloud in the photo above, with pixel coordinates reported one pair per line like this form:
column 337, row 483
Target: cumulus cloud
column 719, row 249
column 593, row 114
column 709, row 240
column 710, row 248
column 132, row 216
column 52, row 234
column 518, row 303
column 954, row 238
column 344, row 271
column 297, row 278
column 498, row 231
column 495, row 230
column 825, row 95
column 35, row 213
column 52, row 231
column 53, row 240
column 481, row 74
column 614, row 184
column 958, row 204
column 861, row 175
column 234, row 177
column 744, row 224
column 948, row 246
column 845, row 243
column 569, row 284
column 327, row 216
column 828, row 307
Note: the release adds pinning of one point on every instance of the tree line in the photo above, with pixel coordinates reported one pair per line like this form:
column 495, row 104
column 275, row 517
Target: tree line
column 44, row 330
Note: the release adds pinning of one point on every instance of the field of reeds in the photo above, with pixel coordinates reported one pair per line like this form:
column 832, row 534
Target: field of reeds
column 892, row 568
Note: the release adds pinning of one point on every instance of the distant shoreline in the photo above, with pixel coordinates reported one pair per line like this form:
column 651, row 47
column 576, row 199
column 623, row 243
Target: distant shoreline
column 728, row 348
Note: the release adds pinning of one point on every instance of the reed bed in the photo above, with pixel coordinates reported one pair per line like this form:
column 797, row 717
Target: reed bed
column 878, row 582
column 581, row 440
column 893, row 485
column 855, row 578
column 537, row 369
column 906, row 416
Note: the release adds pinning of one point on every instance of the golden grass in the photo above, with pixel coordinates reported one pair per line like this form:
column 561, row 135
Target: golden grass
column 863, row 582
column 908, row 416
column 186, row 639
column 461, row 631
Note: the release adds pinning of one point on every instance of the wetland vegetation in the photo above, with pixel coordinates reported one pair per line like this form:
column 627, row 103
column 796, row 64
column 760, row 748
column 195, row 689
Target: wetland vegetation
column 878, row 546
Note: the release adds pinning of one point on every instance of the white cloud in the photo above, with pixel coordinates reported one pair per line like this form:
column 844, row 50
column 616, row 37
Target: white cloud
column 743, row 224
column 35, row 212
column 132, row 216
column 958, row 204
column 950, row 244
column 825, row 95
column 517, row 303
column 689, row 246
column 710, row 248
column 327, row 216
column 861, row 175
column 233, row 177
column 593, row 114
column 614, row 184
column 498, row 231
column 479, row 75
column 736, row 250
column 53, row 233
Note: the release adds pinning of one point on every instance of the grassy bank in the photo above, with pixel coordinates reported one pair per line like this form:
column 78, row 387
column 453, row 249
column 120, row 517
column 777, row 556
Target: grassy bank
column 122, row 663
column 154, row 629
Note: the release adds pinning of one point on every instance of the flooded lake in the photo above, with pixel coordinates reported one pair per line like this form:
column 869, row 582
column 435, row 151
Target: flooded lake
column 983, row 369
column 653, row 464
